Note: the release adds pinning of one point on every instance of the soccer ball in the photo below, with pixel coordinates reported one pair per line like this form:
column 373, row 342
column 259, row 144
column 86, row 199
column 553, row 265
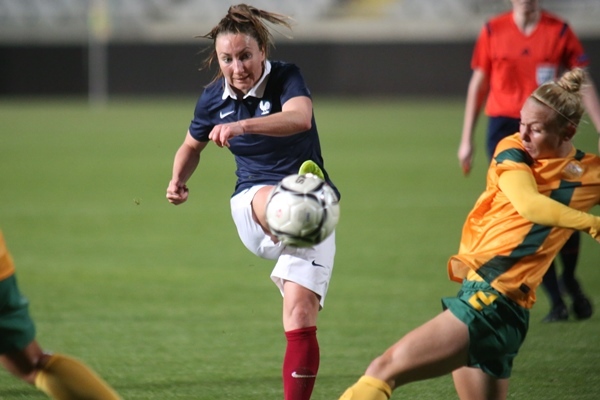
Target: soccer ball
column 302, row 210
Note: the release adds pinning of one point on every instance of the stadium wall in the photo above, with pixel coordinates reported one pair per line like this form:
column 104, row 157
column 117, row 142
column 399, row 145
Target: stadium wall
column 332, row 69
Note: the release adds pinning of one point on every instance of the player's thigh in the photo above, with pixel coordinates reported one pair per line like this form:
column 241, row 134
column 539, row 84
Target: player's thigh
column 250, row 232
column 474, row 384
column 259, row 205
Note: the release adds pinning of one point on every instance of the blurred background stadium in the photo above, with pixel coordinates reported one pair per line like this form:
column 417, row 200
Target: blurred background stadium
column 139, row 47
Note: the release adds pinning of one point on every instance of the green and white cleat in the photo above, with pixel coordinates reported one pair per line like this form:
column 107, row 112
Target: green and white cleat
column 310, row 167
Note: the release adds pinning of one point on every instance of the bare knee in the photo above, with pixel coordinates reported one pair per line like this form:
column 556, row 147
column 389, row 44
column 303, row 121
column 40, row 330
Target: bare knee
column 393, row 366
column 300, row 315
column 26, row 363
column 379, row 367
column 301, row 307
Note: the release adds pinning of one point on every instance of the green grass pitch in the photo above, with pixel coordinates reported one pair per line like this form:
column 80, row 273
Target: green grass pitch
column 165, row 303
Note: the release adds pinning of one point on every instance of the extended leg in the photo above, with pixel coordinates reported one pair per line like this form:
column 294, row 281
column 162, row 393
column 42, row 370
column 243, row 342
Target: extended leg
column 59, row 376
column 435, row 348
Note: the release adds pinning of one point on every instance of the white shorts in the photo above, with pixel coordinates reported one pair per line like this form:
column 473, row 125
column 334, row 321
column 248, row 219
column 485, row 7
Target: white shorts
column 310, row 267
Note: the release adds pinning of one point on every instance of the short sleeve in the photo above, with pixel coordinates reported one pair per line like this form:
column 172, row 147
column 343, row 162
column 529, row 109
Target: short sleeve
column 481, row 58
column 200, row 127
column 293, row 85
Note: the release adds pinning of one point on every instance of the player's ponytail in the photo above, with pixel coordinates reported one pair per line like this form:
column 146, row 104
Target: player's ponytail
column 247, row 20
column 564, row 97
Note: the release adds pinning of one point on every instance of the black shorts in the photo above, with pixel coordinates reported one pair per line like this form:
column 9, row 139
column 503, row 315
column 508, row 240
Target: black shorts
column 499, row 128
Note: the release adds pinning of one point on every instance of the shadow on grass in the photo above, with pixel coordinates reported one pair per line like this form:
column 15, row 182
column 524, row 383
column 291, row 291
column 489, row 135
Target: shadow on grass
column 233, row 387
column 27, row 392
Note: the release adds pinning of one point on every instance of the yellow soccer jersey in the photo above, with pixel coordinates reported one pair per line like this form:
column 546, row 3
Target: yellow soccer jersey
column 509, row 252
column 7, row 267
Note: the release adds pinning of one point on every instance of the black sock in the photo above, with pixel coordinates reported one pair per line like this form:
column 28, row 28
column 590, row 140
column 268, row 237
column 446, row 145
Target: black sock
column 569, row 255
column 550, row 283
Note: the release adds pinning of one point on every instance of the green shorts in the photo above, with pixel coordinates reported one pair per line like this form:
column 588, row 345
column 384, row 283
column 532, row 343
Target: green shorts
column 17, row 329
column 497, row 326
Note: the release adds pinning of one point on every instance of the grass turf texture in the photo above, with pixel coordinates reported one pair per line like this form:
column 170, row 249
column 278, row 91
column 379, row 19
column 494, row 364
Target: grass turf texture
column 165, row 303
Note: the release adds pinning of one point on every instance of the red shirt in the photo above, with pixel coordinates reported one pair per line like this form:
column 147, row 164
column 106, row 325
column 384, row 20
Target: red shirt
column 517, row 64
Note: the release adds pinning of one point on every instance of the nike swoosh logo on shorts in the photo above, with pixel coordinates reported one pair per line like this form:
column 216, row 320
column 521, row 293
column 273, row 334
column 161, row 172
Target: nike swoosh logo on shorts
column 224, row 114
column 314, row 263
column 300, row 376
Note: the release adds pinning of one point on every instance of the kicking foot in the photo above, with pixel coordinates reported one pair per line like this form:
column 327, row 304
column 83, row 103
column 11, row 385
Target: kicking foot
column 310, row 167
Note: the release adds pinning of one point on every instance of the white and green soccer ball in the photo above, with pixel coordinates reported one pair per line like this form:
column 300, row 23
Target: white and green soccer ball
column 302, row 210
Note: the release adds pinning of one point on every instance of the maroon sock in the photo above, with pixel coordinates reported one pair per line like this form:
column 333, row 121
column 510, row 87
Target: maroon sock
column 301, row 363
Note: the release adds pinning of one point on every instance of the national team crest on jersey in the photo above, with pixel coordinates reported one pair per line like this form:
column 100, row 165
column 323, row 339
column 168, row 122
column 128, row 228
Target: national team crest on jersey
column 573, row 170
column 265, row 107
column 545, row 73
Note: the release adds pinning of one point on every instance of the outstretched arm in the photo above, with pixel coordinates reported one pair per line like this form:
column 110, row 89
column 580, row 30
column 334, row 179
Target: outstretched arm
column 521, row 190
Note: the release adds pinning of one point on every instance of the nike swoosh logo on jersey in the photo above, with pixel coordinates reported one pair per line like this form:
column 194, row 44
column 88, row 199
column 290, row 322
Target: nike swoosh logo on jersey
column 224, row 114
column 314, row 263
column 300, row 376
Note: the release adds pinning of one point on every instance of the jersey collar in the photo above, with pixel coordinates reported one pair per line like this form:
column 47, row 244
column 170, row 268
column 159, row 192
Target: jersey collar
column 257, row 90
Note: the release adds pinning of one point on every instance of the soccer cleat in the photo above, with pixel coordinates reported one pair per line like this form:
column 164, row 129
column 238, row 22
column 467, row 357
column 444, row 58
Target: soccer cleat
column 557, row 313
column 311, row 167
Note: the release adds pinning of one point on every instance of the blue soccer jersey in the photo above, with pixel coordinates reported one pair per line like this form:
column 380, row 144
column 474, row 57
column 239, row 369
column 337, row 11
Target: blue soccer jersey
column 260, row 159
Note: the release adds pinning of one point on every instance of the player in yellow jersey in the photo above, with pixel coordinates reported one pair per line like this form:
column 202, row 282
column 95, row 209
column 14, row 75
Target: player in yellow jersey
column 59, row 376
column 539, row 189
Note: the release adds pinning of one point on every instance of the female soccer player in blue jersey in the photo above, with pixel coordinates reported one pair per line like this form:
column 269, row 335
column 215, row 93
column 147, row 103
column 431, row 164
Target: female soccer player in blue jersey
column 262, row 111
